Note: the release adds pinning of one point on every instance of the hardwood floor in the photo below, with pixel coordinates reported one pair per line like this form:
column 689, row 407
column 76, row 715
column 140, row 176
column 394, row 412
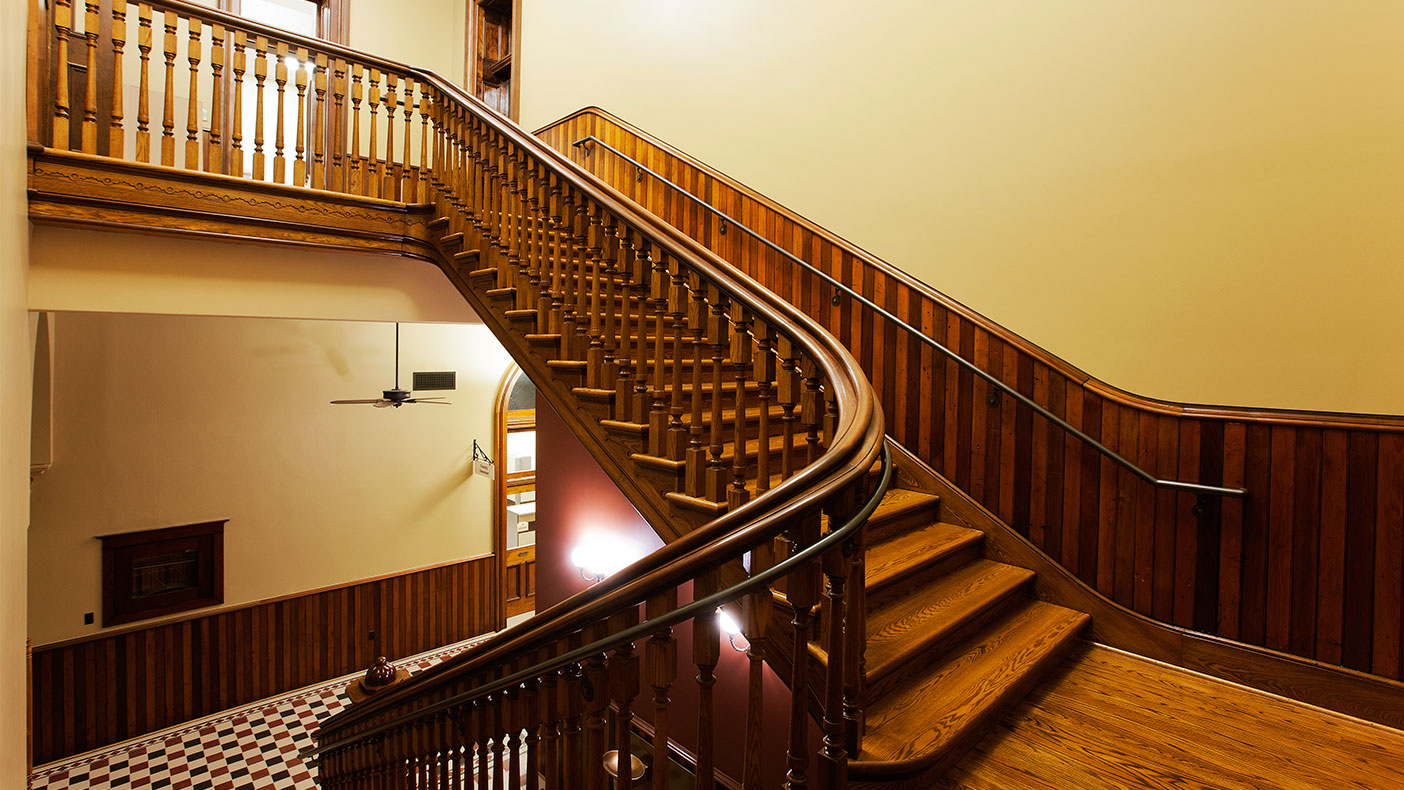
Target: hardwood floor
column 1109, row 719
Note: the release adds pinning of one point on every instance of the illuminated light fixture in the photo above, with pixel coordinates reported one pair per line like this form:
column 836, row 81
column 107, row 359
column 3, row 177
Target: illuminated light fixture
column 598, row 558
column 732, row 629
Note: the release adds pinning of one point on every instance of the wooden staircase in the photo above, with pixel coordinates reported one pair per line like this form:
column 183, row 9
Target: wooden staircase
column 954, row 640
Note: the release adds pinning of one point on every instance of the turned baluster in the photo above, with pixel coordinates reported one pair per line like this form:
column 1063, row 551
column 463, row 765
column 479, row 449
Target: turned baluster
column 624, row 350
column 143, row 135
column 574, row 709
column 706, row 651
column 390, row 173
column 640, row 284
column 63, row 26
column 855, row 648
column 116, row 143
column 661, row 663
column 787, row 387
column 405, row 184
column 280, row 79
column 192, row 118
column 695, row 457
column 741, row 356
column 764, row 374
column 596, row 689
column 214, row 161
column 570, row 284
column 658, row 406
column 168, row 117
column 319, row 126
column 234, row 166
column 718, row 329
column 522, row 220
column 511, row 737
column 260, row 76
column 802, row 593
column 833, row 758
column 550, row 731
column 356, row 184
column 481, row 734
column 810, row 408
column 300, row 139
column 677, row 313
column 422, row 182
column 594, row 354
column 531, row 704
column 90, row 32
column 374, row 100
column 511, row 219
column 336, row 127
column 624, row 687
column 756, row 608
column 555, row 209
column 615, row 298
column 538, row 194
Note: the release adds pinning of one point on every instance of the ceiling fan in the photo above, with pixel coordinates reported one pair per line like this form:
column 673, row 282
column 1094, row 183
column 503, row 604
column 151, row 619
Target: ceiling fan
column 395, row 397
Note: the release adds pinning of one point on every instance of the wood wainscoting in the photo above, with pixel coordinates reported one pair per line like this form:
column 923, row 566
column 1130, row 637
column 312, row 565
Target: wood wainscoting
column 1310, row 563
column 123, row 683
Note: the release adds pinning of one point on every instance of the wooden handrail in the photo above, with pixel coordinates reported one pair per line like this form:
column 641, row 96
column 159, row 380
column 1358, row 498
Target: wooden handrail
column 619, row 296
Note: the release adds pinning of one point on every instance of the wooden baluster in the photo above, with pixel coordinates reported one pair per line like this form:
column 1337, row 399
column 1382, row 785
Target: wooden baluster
column 610, row 256
column 574, row 708
column 422, row 183
column 319, row 123
column 300, row 140
column 741, row 356
column 550, row 732
column 810, row 406
column 511, row 736
column 538, row 281
column 192, row 116
column 696, row 455
column 168, row 117
column 356, row 184
column 855, row 635
column 143, row 135
column 661, row 661
column 511, row 259
column 90, row 32
column 373, row 100
column 280, row 78
column 336, row 127
column 116, row 141
column 569, row 285
column 624, row 687
column 481, row 723
column 260, row 75
column 833, row 758
column 63, row 26
column 658, row 407
column 717, row 337
column 407, row 183
column 625, row 351
column 531, row 702
column 706, row 651
column 234, row 165
column 596, row 689
column 214, row 162
column 521, row 221
column 787, row 392
column 802, row 592
column 594, row 354
column 677, row 313
column 764, row 375
column 756, row 610
column 557, row 223
column 391, row 98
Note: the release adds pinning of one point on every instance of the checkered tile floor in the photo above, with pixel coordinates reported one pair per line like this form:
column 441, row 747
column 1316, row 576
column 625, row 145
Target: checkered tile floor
column 255, row 746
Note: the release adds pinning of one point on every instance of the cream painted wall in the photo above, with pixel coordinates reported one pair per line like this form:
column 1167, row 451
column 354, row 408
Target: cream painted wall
column 14, row 400
column 426, row 34
column 166, row 420
column 1198, row 201
column 159, row 274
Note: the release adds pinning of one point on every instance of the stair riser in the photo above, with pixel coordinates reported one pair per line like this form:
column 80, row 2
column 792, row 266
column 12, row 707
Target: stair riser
column 878, row 531
column 878, row 595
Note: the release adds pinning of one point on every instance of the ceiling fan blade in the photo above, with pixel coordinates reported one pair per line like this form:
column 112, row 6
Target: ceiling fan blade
column 434, row 402
column 364, row 400
column 383, row 403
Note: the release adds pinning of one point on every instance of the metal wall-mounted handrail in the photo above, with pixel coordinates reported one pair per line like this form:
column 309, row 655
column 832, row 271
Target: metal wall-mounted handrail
column 1178, row 485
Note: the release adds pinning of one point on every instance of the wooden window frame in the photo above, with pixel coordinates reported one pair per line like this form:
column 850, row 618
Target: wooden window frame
column 120, row 551
column 333, row 17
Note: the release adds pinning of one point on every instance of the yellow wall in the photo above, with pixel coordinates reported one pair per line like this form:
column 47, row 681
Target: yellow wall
column 14, row 399
column 426, row 34
column 1197, row 201
column 167, row 420
column 159, row 274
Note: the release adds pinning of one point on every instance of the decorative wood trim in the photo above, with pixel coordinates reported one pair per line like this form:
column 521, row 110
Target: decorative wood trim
column 122, row 683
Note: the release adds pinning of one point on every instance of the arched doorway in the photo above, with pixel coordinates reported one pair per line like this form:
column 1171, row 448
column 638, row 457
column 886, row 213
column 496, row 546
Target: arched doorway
column 515, row 492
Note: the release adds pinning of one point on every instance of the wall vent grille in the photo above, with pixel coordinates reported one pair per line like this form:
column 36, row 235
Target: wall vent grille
column 435, row 380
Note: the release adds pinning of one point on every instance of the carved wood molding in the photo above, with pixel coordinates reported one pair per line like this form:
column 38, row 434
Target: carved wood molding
column 96, row 192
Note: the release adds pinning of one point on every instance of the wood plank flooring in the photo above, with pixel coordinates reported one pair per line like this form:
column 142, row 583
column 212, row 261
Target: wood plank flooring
column 1108, row 719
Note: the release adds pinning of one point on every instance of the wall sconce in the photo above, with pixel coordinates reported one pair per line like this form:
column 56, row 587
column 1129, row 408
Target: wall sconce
column 732, row 629
column 598, row 557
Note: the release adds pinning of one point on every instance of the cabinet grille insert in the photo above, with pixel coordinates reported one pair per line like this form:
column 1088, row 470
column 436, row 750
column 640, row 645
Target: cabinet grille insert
column 435, row 380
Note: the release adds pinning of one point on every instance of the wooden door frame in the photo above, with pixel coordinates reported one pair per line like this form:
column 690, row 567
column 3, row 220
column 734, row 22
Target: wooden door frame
column 499, row 485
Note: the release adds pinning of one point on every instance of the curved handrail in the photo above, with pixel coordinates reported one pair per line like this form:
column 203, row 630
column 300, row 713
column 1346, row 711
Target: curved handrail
column 648, row 627
column 1178, row 485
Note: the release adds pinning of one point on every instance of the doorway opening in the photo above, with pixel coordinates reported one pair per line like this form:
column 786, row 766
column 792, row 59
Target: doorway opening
column 515, row 483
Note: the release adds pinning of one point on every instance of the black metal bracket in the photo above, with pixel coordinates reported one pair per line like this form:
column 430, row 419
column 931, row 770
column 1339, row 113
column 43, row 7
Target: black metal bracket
column 1200, row 509
column 993, row 398
column 836, row 298
column 479, row 452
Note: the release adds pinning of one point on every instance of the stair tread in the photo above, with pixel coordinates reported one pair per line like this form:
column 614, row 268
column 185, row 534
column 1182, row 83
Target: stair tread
column 899, row 555
column 900, row 501
column 901, row 630
column 936, row 709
